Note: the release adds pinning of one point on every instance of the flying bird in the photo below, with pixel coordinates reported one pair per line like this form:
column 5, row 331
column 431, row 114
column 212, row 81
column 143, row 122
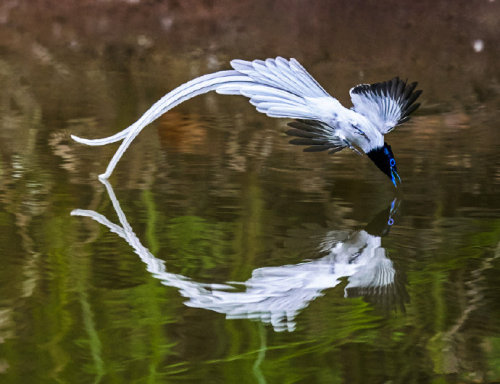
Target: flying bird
column 283, row 88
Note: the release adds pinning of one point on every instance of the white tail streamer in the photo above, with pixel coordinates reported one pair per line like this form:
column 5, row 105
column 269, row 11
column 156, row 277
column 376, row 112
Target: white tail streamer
column 276, row 87
column 198, row 86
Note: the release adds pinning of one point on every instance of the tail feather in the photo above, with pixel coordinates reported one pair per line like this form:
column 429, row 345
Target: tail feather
column 277, row 87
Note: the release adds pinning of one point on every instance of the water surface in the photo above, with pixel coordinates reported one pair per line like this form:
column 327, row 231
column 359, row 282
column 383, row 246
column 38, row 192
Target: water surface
column 218, row 252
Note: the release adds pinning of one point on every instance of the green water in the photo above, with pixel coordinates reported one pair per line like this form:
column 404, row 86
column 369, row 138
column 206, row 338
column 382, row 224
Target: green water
column 214, row 254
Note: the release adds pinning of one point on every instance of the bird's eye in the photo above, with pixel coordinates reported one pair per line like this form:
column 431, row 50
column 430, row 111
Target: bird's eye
column 392, row 162
column 391, row 221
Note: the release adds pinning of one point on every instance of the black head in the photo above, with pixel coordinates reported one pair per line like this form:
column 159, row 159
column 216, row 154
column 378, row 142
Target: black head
column 384, row 160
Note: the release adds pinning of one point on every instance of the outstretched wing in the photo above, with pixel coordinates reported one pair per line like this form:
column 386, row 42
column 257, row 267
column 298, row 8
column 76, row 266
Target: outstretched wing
column 385, row 104
column 318, row 136
column 282, row 88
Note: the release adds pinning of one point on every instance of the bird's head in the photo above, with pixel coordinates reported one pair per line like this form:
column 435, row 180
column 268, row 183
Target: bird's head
column 384, row 160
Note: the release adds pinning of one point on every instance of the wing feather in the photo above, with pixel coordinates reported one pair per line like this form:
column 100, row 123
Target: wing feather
column 279, row 88
column 315, row 134
column 283, row 88
column 386, row 104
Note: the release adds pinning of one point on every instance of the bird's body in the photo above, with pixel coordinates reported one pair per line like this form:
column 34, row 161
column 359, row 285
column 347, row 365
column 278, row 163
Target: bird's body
column 284, row 89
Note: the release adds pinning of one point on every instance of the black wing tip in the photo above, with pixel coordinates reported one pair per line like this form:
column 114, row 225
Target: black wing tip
column 400, row 90
column 406, row 94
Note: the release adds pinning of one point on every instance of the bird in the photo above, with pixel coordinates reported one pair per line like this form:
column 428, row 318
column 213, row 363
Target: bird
column 282, row 88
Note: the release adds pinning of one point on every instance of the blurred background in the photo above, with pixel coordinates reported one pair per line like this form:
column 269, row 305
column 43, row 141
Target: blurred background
column 215, row 192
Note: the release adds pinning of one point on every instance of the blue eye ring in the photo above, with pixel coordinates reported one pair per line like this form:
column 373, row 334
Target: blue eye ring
column 392, row 162
column 391, row 221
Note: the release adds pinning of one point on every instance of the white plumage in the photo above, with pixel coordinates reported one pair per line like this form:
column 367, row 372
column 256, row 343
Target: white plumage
column 284, row 89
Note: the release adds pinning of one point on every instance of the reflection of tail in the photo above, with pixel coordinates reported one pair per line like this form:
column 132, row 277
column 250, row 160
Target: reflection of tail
column 154, row 265
column 273, row 294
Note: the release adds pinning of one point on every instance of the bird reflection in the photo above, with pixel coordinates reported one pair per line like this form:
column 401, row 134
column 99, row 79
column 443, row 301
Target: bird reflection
column 275, row 295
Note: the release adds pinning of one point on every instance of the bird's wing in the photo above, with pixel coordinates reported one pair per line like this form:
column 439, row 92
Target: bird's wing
column 385, row 104
column 283, row 88
column 316, row 135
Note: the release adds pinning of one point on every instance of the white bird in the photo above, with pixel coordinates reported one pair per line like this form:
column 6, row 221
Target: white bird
column 284, row 89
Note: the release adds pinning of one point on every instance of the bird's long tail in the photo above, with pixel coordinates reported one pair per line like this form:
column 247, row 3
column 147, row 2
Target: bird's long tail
column 276, row 87
column 198, row 86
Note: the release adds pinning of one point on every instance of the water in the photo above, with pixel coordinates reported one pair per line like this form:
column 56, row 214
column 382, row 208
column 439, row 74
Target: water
column 218, row 252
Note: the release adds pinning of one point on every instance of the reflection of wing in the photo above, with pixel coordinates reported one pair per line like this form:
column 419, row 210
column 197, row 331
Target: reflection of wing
column 363, row 261
column 273, row 294
column 377, row 272
column 276, row 294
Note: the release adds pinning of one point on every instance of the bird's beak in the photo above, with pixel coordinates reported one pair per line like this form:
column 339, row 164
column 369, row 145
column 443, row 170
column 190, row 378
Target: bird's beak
column 395, row 177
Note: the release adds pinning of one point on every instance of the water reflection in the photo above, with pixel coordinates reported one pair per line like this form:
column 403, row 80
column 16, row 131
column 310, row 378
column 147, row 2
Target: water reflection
column 275, row 295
